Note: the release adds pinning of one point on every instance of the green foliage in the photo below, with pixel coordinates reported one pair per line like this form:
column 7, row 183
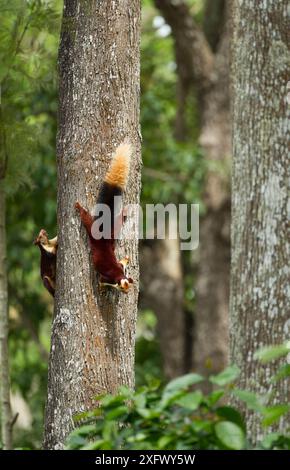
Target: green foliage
column 27, row 47
column 155, row 417
column 148, row 360
column 230, row 435
column 173, row 171
column 178, row 416
column 276, row 441
column 226, row 376
column 270, row 353
column 29, row 35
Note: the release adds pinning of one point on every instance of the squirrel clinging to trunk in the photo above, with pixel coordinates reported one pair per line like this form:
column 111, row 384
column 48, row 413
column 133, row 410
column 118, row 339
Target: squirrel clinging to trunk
column 48, row 250
column 112, row 272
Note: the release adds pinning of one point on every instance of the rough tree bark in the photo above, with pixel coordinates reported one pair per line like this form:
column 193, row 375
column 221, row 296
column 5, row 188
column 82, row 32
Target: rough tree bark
column 6, row 414
column 260, row 300
column 208, row 74
column 93, row 331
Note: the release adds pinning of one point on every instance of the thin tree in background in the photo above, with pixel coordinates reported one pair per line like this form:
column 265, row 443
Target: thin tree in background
column 93, row 332
column 6, row 414
column 260, row 300
column 15, row 143
column 202, row 58
column 162, row 291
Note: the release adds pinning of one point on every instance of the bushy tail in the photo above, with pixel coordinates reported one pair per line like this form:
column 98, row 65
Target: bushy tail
column 118, row 172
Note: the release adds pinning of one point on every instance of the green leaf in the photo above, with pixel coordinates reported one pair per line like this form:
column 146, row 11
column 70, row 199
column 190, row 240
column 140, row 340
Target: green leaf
column 283, row 372
column 230, row 374
column 139, row 437
column 176, row 389
column 164, row 441
column 269, row 440
column 270, row 353
column 183, row 382
column 191, row 401
column 214, row 397
column 230, row 435
column 125, row 392
column 204, row 425
column 252, row 400
column 139, row 400
column 116, row 413
column 85, row 415
column 231, row 414
column 169, row 398
column 276, row 441
column 85, row 430
column 111, row 400
column 148, row 414
column 98, row 444
column 273, row 413
column 76, row 441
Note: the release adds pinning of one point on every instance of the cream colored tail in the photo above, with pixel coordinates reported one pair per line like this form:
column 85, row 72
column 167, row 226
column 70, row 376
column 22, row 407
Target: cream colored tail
column 119, row 170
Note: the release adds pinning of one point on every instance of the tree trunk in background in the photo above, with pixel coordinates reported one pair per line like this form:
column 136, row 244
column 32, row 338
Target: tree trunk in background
column 260, row 300
column 6, row 415
column 162, row 291
column 93, row 331
column 211, row 336
column 214, row 21
column 208, row 74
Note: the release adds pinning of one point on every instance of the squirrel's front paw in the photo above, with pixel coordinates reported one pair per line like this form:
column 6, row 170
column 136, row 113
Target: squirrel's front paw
column 78, row 206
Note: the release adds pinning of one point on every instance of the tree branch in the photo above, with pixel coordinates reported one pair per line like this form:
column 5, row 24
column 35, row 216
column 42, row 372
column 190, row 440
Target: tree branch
column 214, row 20
column 193, row 54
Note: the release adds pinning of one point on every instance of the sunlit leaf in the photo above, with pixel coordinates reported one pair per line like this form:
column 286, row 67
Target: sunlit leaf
column 230, row 435
column 273, row 413
column 230, row 374
column 270, row 353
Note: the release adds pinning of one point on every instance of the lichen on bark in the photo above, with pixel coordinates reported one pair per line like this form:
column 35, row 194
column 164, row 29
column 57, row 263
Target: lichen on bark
column 260, row 297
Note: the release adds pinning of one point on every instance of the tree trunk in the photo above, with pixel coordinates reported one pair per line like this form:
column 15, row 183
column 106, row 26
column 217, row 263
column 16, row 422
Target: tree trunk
column 6, row 414
column 93, row 331
column 260, row 301
column 213, row 22
column 211, row 335
column 162, row 291
column 208, row 73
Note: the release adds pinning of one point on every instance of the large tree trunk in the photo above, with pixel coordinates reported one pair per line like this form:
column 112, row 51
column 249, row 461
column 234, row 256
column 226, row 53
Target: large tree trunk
column 93, row 332
column 260, row 301
column 6, row 415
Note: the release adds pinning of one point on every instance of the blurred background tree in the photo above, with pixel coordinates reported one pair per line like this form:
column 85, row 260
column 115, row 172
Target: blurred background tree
column 175, row 170
column 29, row 38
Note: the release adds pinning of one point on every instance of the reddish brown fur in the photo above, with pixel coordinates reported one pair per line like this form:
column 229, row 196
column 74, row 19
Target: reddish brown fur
column 47, row 260
column 103, row 252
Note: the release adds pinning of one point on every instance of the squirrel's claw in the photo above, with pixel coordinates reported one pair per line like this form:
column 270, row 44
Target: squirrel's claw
column 107, row 284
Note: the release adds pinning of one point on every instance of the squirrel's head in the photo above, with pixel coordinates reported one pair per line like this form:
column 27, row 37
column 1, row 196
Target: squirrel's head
column 125, row 284
column 42, row 238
